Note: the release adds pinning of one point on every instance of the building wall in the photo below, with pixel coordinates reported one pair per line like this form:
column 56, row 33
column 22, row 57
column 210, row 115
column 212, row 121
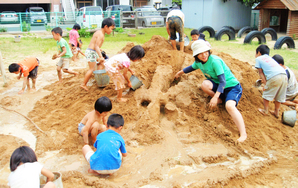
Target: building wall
column 264, row 19
column 292, row 24
column 215, row 13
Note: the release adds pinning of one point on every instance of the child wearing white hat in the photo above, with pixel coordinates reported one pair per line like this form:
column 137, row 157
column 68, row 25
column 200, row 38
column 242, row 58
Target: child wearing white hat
column 220, row 83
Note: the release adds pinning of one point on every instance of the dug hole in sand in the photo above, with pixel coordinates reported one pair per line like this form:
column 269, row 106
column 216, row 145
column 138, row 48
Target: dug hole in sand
column 173, row 139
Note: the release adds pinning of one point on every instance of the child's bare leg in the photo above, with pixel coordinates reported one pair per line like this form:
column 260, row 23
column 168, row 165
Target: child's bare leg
column 207, row 88
column 59, row 74
column 88, row 75
column 276, row 111
column 174, row 44
column 119, row 96
column 28, row 84
column 86, row 149
column 266, row 107
column 182, row 46
column 33, row 84
column 70, row 72
column 237, row 118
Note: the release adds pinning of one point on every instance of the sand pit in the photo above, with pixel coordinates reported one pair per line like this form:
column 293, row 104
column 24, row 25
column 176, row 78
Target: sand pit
column 173, row 139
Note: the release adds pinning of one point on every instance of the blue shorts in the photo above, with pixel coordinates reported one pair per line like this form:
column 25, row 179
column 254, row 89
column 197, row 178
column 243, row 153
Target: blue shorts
column 80, row 127
column 231, row 93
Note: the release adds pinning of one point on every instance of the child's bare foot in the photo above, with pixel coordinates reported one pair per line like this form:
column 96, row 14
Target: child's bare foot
column 242, row 138
column 121, row 100
column 92, row 172
column 273, row 113
column 84, row 87
column 262, row 111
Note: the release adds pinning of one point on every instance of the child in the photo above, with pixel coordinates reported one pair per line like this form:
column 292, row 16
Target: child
column 274, row 77
column 74, row 40
column 64, row 53
column 25, row 170
column 220, row 84
column 90, row 123
column 28, row 67
column 79, row 46
column 122, row 62
column 196, row 35
column 93, row 52
column 175, row 23
column 107, row 157
column 292, row 89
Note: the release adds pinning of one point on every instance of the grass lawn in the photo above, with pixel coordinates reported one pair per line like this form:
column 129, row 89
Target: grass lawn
column 115, row 41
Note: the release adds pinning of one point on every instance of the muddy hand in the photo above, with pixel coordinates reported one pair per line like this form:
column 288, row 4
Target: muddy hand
column 213, row 103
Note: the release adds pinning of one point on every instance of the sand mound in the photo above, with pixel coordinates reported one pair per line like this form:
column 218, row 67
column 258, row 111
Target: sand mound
column 173, row 138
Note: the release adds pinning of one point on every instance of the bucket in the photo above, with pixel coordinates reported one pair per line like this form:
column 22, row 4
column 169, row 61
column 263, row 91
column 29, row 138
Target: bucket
column 186, row 40
column 289, row 117
column 101, row 77
column 17, row 38
column 135, row 82
column 57, row 180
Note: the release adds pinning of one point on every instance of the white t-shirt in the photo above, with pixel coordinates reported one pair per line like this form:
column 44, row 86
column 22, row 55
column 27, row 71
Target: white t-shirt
column 176, row 12
column 292, row 88
column 117, row 63
column 26, row 176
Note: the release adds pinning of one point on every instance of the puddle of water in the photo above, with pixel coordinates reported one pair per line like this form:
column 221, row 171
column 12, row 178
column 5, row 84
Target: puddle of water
column 16, row 128
column 43, row 79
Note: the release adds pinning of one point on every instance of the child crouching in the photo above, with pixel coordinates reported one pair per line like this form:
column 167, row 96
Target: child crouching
column 107, row 157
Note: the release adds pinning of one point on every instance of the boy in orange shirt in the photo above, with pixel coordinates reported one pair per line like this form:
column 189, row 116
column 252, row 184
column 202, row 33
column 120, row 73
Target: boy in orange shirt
column 28, row 67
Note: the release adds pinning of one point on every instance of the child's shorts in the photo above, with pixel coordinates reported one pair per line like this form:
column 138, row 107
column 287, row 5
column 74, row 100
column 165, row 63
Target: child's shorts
column 276, row 88
column 63, row 63
column 90, row 153
column 231, row 93
column 33, row 73
column 80, row 127
column 118, row 80
column 291, row 97
column 74, row 50
column 91, row 55
column 176, row 25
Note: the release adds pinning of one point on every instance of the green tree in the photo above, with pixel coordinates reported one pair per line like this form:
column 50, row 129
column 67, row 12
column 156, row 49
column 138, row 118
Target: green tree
column 248, row 3
column 177, row 2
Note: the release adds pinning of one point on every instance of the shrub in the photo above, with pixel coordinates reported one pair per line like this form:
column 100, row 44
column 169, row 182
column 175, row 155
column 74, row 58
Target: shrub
column 84, row 33
column 119, row 30
column 25, row 26
column 3, row 29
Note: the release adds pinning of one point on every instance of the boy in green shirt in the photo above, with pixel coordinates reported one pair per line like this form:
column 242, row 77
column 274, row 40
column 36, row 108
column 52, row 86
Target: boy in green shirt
column 64, row 53
column 220, row 84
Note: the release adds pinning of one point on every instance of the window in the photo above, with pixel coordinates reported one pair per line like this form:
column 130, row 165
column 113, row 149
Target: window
column 274, row 20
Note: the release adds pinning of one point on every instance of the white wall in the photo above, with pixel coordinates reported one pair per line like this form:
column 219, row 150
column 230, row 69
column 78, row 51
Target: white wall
column 124, row 2
column 215, row 13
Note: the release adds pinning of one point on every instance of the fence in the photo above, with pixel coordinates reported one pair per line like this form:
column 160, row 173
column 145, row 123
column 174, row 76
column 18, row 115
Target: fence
column 42, row 21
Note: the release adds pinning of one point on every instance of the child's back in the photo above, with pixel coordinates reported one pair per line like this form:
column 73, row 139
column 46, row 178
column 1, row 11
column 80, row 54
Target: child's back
column 107, row 156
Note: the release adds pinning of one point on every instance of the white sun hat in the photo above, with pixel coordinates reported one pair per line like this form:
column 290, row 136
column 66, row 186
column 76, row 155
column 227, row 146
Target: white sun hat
column 199, row 46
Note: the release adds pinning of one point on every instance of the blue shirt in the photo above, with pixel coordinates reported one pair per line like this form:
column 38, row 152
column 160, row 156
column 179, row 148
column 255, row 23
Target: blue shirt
column 107, row 156
column 269, row 66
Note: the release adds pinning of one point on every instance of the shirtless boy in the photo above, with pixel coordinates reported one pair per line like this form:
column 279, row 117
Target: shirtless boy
column 90, row 123
column 93, row 52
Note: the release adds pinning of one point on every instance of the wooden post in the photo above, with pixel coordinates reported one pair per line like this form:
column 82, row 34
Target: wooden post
column 136, row 20
column 2, row 70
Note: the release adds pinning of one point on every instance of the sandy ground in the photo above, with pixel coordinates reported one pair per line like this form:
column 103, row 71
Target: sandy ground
column 173, row 139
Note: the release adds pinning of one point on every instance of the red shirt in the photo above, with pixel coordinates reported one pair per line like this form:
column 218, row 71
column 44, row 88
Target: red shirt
column 27, row 65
